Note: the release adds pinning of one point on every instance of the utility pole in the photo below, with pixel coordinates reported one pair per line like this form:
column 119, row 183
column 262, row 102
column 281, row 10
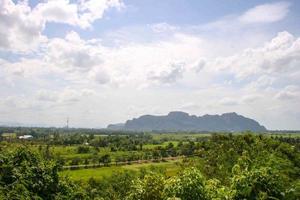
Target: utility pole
column 67, row 123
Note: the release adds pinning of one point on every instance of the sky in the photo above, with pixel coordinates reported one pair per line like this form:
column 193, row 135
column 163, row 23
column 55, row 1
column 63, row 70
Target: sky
column 99, row 62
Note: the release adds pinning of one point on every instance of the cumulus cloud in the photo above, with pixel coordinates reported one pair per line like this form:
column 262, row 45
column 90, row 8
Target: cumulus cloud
column 81, row 14
column 73, row 53
column 143, row 64
column 281, row 54
column 171, row 75
column 59, row 11
column 82, row 60
column 91, row 10
column 199, row 65
column 130, row 64
column 266, row 13
column 21, row 26
column 210, row 74
column 20, row 30
column 26, row 71
column 99, row 75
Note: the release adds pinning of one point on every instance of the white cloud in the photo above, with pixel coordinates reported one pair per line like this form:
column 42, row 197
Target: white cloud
column 131, row 64
column 173, row 72
column 44, row 95
column 73, row 53
column 157, row 68
column 266, row 13
column 262, row 82
column 280, row 55
column 199, row 65
column 290, row 92
column 100, row 75
column 67, row 95
column 21, row 26
column 240, row 24
column 227, row 101
column 250, row 98
column 20, row 30
column 163, row 27
column 60, row 11
column 81, row 14
column 190, row 106
column 91, row 10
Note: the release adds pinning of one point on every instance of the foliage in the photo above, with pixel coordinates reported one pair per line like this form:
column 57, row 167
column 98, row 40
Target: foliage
column 189, row 185
column 148, row 188
column 217, row 167
column 24, row 175
column 262, row 183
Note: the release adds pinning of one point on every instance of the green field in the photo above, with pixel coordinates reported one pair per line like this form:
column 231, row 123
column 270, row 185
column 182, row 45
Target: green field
column 178, row 136
column 170, row 167
column 164, row 144
column 285, row 135
column 10, row 135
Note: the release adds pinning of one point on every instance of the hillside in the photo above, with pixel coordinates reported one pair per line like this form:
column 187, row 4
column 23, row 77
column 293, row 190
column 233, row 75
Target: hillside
column 181, row 121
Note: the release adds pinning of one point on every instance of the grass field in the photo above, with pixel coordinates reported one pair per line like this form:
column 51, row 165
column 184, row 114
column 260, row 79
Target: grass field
column 9, row 135
column 293, row 135
column 178, row 136
column 164, row 144
column 170, row 167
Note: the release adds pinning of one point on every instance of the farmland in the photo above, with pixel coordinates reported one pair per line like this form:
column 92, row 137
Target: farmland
column 170, row 167
column 117, row 164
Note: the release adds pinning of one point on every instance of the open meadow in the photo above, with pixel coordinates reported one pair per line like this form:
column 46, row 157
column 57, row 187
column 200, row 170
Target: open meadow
column 170, row 168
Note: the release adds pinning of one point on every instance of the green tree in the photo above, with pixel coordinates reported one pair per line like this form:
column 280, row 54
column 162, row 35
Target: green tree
column 151, row 187
column 105, row 159
column 26, row 175
column 189, row 185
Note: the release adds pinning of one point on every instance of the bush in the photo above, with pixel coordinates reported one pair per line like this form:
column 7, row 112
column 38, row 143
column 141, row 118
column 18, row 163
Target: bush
column 26, row 175
column 83, row 149
column 189, row 185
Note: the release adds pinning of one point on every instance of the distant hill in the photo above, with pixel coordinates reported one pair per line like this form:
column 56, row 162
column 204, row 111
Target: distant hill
column 181, row 121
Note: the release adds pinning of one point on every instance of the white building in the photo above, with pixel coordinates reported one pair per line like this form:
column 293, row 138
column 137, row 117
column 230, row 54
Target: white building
column 25, row 137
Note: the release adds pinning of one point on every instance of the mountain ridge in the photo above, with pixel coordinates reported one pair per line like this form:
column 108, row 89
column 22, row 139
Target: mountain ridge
column 182, row 121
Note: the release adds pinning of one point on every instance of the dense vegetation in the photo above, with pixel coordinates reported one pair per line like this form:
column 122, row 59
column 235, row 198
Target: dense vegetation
column 219, row 166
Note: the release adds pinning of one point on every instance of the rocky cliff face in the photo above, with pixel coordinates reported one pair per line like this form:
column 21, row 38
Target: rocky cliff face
column 181, row 121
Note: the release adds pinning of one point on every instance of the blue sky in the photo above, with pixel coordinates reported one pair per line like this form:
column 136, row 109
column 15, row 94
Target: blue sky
column 175, row 12
column 100, row 62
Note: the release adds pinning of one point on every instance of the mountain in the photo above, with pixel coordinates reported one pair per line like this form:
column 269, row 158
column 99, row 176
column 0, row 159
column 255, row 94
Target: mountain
column 116, row 126
column 181, row 121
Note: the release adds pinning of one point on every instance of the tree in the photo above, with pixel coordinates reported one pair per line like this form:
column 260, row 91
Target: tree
column 189, row 185
column 250, row 182
column 83, row 149
column 105, row 159
column 26, row 175
column 148, row 188
column 260, row 183
column 216, row 191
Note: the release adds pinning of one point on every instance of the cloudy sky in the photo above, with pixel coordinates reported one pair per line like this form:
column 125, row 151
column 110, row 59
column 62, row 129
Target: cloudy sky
column 106, row 61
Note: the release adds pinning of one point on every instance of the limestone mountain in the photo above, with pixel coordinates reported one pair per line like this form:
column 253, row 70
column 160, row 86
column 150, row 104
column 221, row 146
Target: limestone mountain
column 181, row 121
